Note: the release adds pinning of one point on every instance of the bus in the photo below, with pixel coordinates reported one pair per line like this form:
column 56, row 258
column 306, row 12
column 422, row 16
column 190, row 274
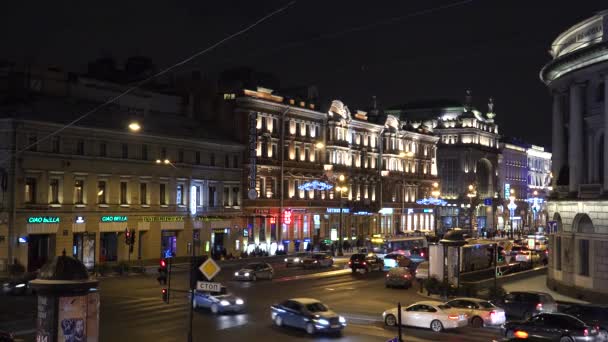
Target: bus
column 401, row 244
column 476, row 255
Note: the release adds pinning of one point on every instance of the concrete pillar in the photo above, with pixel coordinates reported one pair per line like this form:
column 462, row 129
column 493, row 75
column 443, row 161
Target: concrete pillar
column 558, row 137
column 575, row 143
column 606, row 132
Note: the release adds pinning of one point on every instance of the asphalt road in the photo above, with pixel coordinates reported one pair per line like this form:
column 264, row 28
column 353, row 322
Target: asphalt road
column 132, row 309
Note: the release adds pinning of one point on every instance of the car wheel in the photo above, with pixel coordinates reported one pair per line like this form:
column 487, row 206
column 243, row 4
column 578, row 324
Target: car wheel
column 477, row 322
column 215, row 309
column 278, row 321
column 509, row 334
column 387, row 285
column 436, row 326
column 353, row 270
column 254, row 278
column 602, row 336
column 390, row 320
column 310, row 328
column 566, row 339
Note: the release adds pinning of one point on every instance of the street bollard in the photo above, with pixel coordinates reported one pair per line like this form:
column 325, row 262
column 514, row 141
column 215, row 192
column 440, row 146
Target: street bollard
column 399, row 321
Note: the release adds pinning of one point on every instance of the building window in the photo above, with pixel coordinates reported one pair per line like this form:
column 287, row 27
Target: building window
column 558, row 253
column 180, row 156
column 197, row 157
column 125, row 151
column 235, row 159
column 212, row 159
column 102, row 149
column 235, row 197
column 211, row 196
column 226, row 196
column 123, row 193
column 163, row 194
column 80, row 147
column 101, row 192
column 56, row 144
column 30, row 190
column 226, row 161
column 143, row 193
column 198, row 196
column 179, row 197
column 78, row 191
column 144, row 152
column 54, row 191
column 584, row 257
column 601, row 91
column 32, row 143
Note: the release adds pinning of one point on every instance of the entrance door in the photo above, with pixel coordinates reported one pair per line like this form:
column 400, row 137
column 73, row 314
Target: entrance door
column 41, row 248
column 109, row 247
column 168, row 244
column 218, row 244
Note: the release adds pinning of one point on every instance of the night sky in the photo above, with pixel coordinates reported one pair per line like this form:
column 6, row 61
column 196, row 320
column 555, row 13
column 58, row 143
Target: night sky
column 400, row 51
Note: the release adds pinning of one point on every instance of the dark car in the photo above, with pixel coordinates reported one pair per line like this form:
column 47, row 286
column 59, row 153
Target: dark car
column 552, row 327
column 524, row 305
column 19, row 285
column 593, row 315
column 367, row 262
column 308, row 314
column 318, row 260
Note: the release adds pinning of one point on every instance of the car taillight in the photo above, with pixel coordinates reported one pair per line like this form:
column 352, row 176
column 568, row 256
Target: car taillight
column 387, row 275
column 586, row 332
column 492, row 314
column 406, row 276
column 364, row 263
column 422, row 254
column 350, row 262
column 520, row 334
column 539, row 306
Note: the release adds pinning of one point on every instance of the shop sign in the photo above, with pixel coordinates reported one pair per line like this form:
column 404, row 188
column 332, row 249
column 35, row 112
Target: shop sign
column 79, row 219
column 208, row 218
column 43, row 219
column 162, row 219
column 298, row 211
column 307, row 240
column 246, row 232
column 316, row 219
column 333, row 234
column 507, row 190
column 113, row 219
column 221, row 230
column 287, row 217
column 337, row 210
column 262, row 211
column 386, row 211
column 273, row 220
column 363, row 213
column 285, row 242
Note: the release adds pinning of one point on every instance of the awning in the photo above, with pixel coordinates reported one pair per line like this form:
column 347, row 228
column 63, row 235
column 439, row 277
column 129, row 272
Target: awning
column 79, row 227
column 43, row 228
column 143, row 226
column 172, row 225
column 106, row 227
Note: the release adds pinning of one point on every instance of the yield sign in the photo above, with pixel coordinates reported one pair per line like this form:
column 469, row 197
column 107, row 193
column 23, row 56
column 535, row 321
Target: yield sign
column 209, row 269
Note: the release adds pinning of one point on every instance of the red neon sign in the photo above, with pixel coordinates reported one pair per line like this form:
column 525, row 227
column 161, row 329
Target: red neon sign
column 273, row 220
column 287, row 217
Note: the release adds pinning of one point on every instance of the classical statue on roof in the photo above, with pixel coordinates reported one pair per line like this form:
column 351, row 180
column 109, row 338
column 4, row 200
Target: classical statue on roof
column 340, row 109
column 392, row 122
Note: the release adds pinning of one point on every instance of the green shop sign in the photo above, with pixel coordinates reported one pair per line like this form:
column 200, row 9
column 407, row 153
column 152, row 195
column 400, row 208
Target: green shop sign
column 113, row 219
column 162, row 218
column 43, row 219
column 209, row 218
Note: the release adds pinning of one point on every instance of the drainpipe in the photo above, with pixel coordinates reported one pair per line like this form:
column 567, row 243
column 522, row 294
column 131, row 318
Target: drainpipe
column 13, row 193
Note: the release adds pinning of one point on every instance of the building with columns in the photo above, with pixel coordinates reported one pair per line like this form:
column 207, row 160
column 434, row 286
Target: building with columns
column 295, row 157
column 78, row 187
column 577, row 76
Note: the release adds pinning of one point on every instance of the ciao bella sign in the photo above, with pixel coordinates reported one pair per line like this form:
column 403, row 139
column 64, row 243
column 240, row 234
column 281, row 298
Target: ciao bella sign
column 43, row 219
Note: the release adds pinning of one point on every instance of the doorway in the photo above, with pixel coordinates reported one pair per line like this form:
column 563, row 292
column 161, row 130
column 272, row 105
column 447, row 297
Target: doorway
column 109, row 247
column 41, row 248
column 83, row 249
column 168, row 244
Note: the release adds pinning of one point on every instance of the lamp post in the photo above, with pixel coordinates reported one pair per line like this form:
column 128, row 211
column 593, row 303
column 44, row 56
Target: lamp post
column 435, row 193
column 134, row 126
column 340, row 190
column 470, row 195
column 512, row 206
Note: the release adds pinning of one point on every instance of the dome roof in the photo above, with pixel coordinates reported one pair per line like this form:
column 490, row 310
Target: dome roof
column 63, row 268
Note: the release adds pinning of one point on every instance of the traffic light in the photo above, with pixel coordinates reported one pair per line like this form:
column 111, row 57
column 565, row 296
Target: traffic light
column 165, row 295
column 162, row 272
column 127, row 236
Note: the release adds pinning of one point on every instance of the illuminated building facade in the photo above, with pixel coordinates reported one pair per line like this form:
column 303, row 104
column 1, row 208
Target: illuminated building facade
column 577, row 76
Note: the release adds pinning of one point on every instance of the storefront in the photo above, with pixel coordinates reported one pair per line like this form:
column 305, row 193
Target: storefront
column 40, row 239
column 83, row 243
column 110, row 227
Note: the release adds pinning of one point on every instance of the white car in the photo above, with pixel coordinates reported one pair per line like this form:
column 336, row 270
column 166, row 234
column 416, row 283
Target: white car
column 527, row 256
column 254, row 271
column 422, row 270
column 480, row 312
column 427, row 314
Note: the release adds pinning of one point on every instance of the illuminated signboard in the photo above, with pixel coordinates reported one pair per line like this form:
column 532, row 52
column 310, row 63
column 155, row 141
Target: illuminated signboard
column 193, row 195
column 43, row 219
column 79, row 219
column 337, row 210
column 315, row 185
column 273, row 220
column 287, row 217
column 162, row 219
column 113, row 219
column 507, row 190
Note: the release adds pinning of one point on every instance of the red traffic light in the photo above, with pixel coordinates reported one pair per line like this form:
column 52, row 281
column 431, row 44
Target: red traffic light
column 163, row 263
column 164, row 291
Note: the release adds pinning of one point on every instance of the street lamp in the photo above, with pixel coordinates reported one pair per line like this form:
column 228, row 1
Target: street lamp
column 134, row 126
column 512, row 206
column 319, row 145
column 470, row 195
column 165, row 162
column 435, row 193
column 340, row 190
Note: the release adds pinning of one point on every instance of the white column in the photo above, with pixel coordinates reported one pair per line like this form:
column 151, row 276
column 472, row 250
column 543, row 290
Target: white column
column 558, row 137
column 605, row 132
column 575, row 143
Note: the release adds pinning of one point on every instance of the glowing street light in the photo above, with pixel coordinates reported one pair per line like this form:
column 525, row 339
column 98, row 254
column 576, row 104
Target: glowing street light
column 134, row 126
column 406, row 154
column 319, row 145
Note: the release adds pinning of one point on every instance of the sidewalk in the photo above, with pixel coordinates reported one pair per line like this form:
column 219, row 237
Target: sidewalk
column 539, row 283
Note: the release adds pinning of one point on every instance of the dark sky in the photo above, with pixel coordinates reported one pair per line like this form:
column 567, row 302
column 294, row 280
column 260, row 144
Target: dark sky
column 396, row 50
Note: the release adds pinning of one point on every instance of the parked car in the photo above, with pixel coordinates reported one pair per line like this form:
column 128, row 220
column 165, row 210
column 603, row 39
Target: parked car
column 254, row 271
column 427, row 314
column 318, row 260
column 592, row 315
column 367, row 262
column 295, row 260
column 396, row 259
column 399, row 277
column 526, row 304
column 551, row 327
column 308, row 314
column 479, row 311
column 218, row 302
column 422, row 270
column 20, row 285
column 527, row 256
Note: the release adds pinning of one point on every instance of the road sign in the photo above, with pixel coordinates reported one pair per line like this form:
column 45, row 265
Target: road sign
column 209, row 269
column 208, row 286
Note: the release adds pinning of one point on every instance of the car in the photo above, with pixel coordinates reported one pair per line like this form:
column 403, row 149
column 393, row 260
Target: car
column 218, row 302
column 19, row 285
column 308, row 314
column 527, row 256
column 419, row 254
column 480, row 312
column 526, row 304
column 254, row 271
column 433, row 315
column 551, row 327
column 318, row 260
column 422, row 270
column 367, row 262
column 399, row 277
column 295, row 260
column 592, row 315
column 396, row 259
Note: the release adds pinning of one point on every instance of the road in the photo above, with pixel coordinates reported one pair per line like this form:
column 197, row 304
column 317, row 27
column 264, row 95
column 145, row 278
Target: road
column 132, row 309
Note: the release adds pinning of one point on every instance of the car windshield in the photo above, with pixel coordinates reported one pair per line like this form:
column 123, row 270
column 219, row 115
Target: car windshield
column 391, row 256
column 252, row 266
column 445, row 306
column 486, row 305
column 316, row 307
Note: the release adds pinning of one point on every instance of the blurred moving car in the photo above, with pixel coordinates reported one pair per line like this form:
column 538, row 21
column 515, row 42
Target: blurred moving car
column 427, row 314
column 295, row 260
column 594, row 315
column 396, row 259
column 399, row 277
column 308, row 314
column 419, row 254
column 552, row 327
column 367, row 262
column 218, row 302
column 318, row 260
column 254, row 271
column 526, row 304
column 422, row 270
column 19, row 286
column 526, row 255
column 480, row 312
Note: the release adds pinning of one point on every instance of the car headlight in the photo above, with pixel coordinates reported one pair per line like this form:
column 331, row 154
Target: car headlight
column 296, row 260
column 246, row 274
column 342, row 319
column 239, row 301
column 224, row 302
column 19, row 285
column 236, row 274
column 322, row 321
column 6, row 284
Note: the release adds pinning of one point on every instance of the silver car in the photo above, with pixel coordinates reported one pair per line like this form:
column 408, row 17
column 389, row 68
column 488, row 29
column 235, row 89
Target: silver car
column 295, row 260
column 480, row 312
column 254, row 271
